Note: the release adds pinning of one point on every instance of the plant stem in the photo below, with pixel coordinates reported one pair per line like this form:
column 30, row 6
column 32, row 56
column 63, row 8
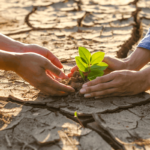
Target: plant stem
column 80, row 122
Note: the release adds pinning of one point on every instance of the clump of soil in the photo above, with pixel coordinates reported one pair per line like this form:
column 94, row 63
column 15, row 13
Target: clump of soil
column 75, row 81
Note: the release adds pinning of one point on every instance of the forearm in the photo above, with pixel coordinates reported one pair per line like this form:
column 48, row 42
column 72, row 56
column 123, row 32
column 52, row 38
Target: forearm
column 10, row 45
column 139, row 58
column 144, row 75
column 8, row 60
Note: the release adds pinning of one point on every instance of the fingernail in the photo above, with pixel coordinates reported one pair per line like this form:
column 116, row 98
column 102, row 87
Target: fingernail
column 87, row 95
column 82, row 91
column 84, row 85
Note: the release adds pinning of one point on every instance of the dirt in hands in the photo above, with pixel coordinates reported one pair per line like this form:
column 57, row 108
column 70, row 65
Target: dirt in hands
column 76, row 81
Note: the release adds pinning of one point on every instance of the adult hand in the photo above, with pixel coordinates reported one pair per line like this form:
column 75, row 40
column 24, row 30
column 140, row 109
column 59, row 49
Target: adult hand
column 113, row 64
column 117, row 83
column 44, row 52
column 33, row 68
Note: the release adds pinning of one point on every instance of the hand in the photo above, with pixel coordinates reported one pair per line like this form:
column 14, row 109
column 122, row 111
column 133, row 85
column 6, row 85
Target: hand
column 117, row 83
column 33, row 68
column 113, row 64
column 44, row 52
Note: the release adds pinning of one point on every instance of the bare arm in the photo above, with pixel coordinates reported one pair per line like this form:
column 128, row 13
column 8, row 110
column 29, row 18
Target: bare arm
column 10, row 45
column 33, row 68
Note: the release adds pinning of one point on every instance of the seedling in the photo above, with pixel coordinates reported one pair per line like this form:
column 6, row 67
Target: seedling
column 90, row 64
column 76, row 115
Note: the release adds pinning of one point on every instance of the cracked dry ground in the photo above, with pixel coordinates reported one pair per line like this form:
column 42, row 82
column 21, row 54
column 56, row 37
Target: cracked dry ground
column 32, row 121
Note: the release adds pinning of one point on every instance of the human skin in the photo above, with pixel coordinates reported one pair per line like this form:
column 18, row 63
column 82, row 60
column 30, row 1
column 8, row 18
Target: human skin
column 35, row 64
column 124, row 78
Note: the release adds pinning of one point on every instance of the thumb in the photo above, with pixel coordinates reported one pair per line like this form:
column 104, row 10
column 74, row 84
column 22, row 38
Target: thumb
column 113, row 63
column 55, row 70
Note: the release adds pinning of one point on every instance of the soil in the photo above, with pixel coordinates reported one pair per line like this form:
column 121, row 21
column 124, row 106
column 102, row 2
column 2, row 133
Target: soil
column 30, row 120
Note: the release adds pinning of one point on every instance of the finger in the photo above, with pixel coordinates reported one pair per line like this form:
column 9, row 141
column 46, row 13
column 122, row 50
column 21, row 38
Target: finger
column 97, row 87
column 54, row 60
column 102, row 93
column 75, row 68
column 54, row 70
column 114, row 63
column 98, row 80
column 58, row 86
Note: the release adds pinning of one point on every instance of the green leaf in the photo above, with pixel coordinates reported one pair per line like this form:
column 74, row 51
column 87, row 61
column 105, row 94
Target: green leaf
column 85, row 54
column 81, row 65
column 101, row 66
column 82, row 75
column 97, row 57
column 95, row 73
column 75, row 114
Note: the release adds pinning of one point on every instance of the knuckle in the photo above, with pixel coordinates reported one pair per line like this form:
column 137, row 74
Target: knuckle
column 99, row 79
column 93, row 94
column 88, row 90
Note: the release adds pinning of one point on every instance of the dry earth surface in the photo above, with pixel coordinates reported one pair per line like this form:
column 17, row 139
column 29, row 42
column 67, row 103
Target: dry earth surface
column 30, row 120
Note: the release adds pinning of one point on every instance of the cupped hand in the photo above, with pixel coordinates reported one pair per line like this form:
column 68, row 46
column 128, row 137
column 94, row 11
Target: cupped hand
column 117, row 83
column 113, row 64
column 33, row 68
column 44, row 52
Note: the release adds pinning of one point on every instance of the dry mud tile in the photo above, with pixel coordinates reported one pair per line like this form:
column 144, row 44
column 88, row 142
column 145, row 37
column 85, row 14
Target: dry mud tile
column 65, row 6
column 120, row 125
column 143, row 124
column 86, row 107
column 23, row 131
column 139, row 134
column 93, row 141
column 117, row 124
column 113, row 2
column 40, row 112
column 15, row 20
column 120, row 103
column 47, row 136
column 55, row 19
column 121, row 139
column 137, row 99
column 67, row 142
column 14, row 111
column 58, row 127
column 94, row 126
column 142, row 110
column 124, row 115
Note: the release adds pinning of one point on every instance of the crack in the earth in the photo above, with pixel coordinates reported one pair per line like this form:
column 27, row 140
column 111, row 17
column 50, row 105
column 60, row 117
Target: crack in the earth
column 136, row 34
column 122, row 53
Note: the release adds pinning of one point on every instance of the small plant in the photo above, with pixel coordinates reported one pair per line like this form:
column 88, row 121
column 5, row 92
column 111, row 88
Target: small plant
column 76, row 115
column 90, row 64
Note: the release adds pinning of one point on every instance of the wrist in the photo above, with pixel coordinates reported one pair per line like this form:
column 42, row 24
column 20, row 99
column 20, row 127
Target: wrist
column 144, row 76
column 8, row 61
column 17, row 47
column 139, row 58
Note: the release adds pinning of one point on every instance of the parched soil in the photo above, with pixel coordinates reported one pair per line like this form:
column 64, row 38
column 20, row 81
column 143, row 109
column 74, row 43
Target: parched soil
column 30, row 120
